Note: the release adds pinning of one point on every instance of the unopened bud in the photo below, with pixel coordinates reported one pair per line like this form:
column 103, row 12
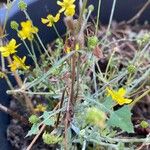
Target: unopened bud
column 14, row 25
column 91, row 8
column 92, row 41
column 33, row 119
column 131, row 69
column 144, row 124
column 22, row 5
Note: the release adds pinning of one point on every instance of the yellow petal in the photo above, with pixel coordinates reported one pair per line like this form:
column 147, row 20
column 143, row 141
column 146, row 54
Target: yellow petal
column 35, row 30
column 127, row 101
column 57, row 17
column 26, row 24
column 49, row 17
column 21, row 35
column 2, row 49
column 70, row 12
column 49, row 24
column 109, row 91
column 122, row 92
column 44, row 21
column 12, row 43
column 59, row 3
column 61, row 10
column 5, row 54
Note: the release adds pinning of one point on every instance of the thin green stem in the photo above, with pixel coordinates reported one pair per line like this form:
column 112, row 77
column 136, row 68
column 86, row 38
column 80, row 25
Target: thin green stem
column 2, row 58
column 111, row 16
column 84, row 145
column 110, row 21
column 33, row 52
column 29, row 51
column 85, row 22
column 9, row 83
column 136, row 82
column 7, row 14
column 38, row 47
column 110, row 60
column 140, row 97
column 34, row 55
column 98, row 16
column 82, row 12
column 56, row 31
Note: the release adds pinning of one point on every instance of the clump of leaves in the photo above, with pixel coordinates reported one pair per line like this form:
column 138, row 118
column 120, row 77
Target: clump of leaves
column 51, row 139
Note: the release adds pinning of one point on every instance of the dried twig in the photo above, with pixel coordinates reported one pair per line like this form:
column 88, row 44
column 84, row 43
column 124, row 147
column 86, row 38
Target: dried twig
column 14, row 114
column 60, row 106
column 139, row 13
column 36, row 137
column 70, row 100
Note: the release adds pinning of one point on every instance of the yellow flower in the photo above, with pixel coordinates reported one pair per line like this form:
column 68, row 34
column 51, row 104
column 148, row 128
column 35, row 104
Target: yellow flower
column 50, row 19
column 9, row 49
column 40, row 108
column 27, row 31
column 67, row 50
column 77, row 46
column 18, row 63
column 67, row 6
column 119, row 96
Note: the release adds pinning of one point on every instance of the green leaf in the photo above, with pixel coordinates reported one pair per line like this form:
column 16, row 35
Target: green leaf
column 34, row 130
column 122, row 119
column 46, row 115
column 47, row 120
column 108, row 103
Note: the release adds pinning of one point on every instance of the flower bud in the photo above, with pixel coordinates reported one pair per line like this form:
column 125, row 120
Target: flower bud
column 91, row 8
column 33, row 119
column 92, row 41
column 14, row 25
column 143, row 39
column 22, row 5
column 131, row 69
column 144, row 124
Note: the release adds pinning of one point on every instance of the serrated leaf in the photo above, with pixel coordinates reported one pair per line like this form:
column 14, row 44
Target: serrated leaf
column 122, row 119
column 46, row 115
column 48, row 121
column 34, row 130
